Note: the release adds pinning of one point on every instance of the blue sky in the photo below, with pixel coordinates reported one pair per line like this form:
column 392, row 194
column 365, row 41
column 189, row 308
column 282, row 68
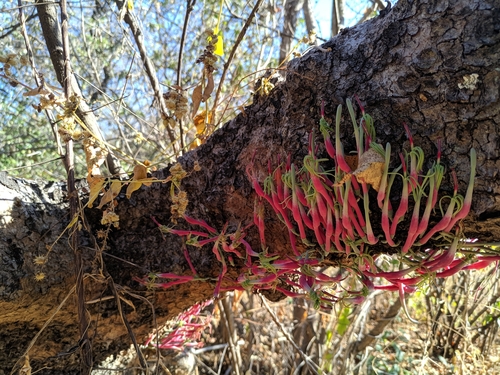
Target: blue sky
column 323, row 12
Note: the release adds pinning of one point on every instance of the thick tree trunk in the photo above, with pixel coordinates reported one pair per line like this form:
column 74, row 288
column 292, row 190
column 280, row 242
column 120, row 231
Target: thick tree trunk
column 408, row 66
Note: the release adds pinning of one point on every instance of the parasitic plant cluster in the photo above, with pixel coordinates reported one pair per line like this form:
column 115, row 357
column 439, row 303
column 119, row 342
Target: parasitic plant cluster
column 184, row 332
column 336, row 210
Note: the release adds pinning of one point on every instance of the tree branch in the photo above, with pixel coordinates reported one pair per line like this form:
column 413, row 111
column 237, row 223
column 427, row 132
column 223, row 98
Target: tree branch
column 47, row 13
column 131, row 21
column 240, row 37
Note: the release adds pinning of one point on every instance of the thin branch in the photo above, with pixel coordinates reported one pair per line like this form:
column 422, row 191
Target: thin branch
column 231, row 333
column 240, row 37
column 379, row 328
column 125, row 322
column 83, row 323
column 13, row 28
column 312, row 366
column 189, row 8
column 38, row 81
column 131, row 21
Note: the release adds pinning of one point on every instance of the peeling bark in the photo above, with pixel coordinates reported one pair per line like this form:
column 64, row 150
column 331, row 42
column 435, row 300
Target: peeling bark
column 408, row 66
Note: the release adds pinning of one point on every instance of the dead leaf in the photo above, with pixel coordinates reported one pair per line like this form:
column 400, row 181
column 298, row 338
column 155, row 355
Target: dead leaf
column 140, row 177
column 370, row 168
column 209, row 88
column 95, row 183
column 199, row 122
column 95, row 155
column 36, row 91
column 110, row 217
column 196, row 98
column 111, row 193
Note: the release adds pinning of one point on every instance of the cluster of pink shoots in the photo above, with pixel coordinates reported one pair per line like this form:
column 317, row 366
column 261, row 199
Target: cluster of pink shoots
column 328, row 210
column 185, row 331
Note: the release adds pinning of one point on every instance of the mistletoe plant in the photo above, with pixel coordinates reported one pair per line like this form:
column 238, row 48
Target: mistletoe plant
column 329, row 209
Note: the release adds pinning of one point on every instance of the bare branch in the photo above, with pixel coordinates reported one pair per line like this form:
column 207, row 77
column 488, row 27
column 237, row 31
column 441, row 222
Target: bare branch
column 240, row 37
column 27, row 43
column 131, row 21
column 189, row 8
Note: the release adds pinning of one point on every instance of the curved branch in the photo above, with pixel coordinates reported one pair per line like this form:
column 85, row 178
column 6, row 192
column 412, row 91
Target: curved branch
column 51, row 28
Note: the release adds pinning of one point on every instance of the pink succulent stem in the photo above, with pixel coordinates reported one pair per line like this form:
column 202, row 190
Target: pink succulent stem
column 361, row 108
column 424, row 222
column 383, row 183
column 219, row 279
column 207, row 241
column 258, row 217
column 188, row 259
column 482, row 262
column 329, row 230
column 314, row 174
column 295, row 205
column 305, row 218
column 322, row 208
column 279, row 183
column 338, row 230
column 316, row 221
column 169, row 275
column 249, row 251
column 342, row 164
column 385, row 213
column 443, row 260
column 468, row 196
column 372, row 240
column 439, row 173
column 346, row 222
column 354, row 220
column 229, row 249
column 354, row 204
column 277, row 207
column 452, row 270
column 445, row 220
column 300, row 195
column 325, row 131
column 403, row 203
column 201, row 223
column 289, row 293
column 293, row 243
column 412, row 231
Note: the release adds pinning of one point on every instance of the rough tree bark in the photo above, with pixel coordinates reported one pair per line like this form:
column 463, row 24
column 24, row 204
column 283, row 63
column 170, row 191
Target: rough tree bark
column 407, row 66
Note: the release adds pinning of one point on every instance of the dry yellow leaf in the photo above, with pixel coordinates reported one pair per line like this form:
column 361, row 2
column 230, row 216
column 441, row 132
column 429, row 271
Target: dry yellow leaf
column 73, row 221
column 209, row 88
column 199, row 122
column 111, row 193
column 110, row 217
column 202, row 123
column 140, row 177
column 196, row 98
column 370, row 168
column 95, row 183
column 95, row 155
